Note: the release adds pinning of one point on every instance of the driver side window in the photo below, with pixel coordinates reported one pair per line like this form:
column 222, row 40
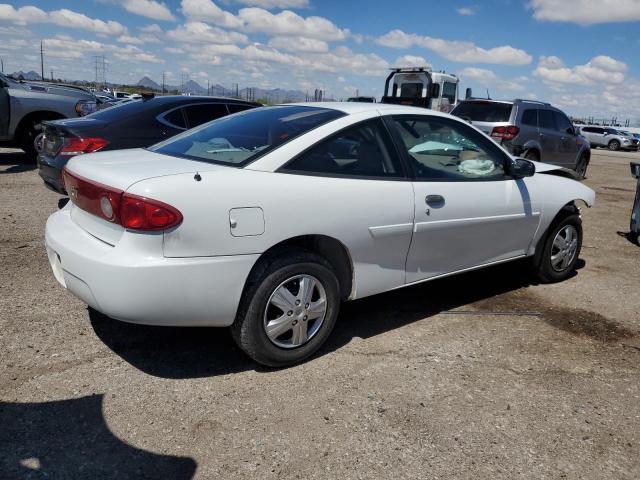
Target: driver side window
column 443, row 150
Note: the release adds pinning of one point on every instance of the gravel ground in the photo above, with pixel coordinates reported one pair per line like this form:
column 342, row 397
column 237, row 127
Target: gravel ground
column 483, row 375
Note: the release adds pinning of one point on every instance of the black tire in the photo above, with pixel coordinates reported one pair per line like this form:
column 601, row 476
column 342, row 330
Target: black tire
column 543, row 266
column 614, row 145
column 27, row 137
column 532, row 155
column 633, row 236
column 248, row 330
column 581, row 167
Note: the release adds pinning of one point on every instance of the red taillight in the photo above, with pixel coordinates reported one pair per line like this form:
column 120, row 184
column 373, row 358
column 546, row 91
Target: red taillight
column 130, row 211
column 78, row 146
column 508, row 132
column 140, row 213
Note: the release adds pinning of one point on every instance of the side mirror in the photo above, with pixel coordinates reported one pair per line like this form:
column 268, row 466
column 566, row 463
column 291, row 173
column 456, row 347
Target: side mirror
column 571, row 131
column 468, row 94
column 635, row 169
column 435, row 90
column 606, row 133
column 521, row 168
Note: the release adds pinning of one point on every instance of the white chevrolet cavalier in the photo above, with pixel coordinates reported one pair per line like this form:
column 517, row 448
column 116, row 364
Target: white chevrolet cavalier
column 268, row 219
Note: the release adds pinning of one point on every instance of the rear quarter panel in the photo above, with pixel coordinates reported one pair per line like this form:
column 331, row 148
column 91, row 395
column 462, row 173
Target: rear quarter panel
column 373, row 219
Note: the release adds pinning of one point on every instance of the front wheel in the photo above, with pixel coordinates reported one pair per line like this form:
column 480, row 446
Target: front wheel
column 560, row 250
column 29, row 138
column 289, row 311
column 614, row 145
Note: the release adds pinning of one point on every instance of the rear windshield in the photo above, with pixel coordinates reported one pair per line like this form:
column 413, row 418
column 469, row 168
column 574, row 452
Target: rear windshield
column 483, row 111
column 239, row 139
column 118, row 111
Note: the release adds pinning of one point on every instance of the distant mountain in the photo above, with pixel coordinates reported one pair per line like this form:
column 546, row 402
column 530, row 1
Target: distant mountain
column 274, row 95
column 146, row 82
column 31, row 75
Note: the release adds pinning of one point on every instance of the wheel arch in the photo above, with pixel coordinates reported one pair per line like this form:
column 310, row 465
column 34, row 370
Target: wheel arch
column 532, row 146
column 329, row 248
column 37, row 115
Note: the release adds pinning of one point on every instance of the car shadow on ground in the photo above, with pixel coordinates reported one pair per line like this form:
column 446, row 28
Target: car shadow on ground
column 17, row 162
column 201, row 352
column 70, row 439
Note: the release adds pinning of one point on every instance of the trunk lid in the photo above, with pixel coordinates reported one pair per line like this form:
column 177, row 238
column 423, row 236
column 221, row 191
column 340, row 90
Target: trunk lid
column 115, row 171
column 55, row 132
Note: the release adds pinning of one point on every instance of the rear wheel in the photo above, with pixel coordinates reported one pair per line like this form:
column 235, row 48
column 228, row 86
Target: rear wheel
column 581, row 168
column 532, row 155
column 614, row 145
column 560, row 250
column 288, row 312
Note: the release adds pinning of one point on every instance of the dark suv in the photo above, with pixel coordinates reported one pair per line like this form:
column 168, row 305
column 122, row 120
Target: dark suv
column 530, row 129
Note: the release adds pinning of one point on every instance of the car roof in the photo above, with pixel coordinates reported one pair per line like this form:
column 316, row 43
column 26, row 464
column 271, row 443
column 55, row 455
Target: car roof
column 351, row 108
column 178, row 99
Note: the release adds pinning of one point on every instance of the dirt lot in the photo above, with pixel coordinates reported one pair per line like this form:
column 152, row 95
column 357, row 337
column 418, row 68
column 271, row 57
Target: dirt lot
column 479, row 376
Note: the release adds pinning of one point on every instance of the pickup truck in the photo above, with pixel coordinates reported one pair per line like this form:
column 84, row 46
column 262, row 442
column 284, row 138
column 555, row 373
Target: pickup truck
column 25, row 105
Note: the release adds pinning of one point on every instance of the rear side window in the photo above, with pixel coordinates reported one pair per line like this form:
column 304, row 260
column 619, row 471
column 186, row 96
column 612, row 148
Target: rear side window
column 546, row 119
column 175, row 118
column 483, row 111
column 411, row 90
column 364, row 150
column 530, row 117
column 237, row 140
column 204, row 112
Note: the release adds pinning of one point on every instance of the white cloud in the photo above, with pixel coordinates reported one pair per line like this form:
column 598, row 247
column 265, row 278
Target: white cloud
column 586, row 12
column 259, row 20
column 66, row 47
column 411, row 61
column 290, row 23
column 299, row 44
column 199, row 32
column 207, row 11
column 466, row 11
column 148, row 8
column 455, row 50
column 269, row 4
column 600, row 69
column 488, row 78
column 63, row 17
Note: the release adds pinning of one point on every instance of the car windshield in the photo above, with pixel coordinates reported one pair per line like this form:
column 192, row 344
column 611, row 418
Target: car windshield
column 483, row 111
column 239, row 139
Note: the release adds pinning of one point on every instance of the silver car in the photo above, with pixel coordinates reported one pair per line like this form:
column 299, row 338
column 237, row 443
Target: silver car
column 610, row 138
column 533, row 130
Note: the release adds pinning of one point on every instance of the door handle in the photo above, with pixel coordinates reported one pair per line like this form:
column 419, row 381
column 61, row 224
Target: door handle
column 431, row 199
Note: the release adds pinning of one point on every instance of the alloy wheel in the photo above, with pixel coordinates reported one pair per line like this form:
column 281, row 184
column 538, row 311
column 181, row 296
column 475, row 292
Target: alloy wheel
column 295, row 311
column 564, row 248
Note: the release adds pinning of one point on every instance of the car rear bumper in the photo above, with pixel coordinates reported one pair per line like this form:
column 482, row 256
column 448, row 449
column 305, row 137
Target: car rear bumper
column 50, row 170
column 128, row 284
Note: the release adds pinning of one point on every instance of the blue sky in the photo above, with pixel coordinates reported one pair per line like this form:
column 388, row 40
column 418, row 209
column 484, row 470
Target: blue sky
column 577, row 54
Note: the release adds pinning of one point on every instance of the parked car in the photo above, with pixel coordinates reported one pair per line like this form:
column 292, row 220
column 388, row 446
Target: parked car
column 129, row 124
column 533, row 130
column 609, row 137
column 632, row 135
column 25, row 105
column 265, row 222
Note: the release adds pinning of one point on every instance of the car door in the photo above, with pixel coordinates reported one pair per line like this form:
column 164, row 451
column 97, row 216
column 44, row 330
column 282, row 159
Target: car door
column 569, row 146
column 468, row 211
column 595, row 135
column 356, row 177
column 4, row 109
column 550, row 138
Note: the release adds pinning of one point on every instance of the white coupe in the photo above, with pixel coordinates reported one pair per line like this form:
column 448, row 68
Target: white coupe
column 266, row 220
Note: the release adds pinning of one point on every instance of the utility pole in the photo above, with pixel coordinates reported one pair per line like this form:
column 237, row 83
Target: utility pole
column 163, row 75
column 52, row 74
column 2, row 64
column 41, row 61
column 208, row 88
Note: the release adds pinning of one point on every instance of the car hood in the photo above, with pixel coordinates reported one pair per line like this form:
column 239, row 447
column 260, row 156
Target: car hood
column 122, row 168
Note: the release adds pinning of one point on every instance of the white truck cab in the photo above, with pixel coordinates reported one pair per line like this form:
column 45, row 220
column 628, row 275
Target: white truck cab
column 421, row 87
